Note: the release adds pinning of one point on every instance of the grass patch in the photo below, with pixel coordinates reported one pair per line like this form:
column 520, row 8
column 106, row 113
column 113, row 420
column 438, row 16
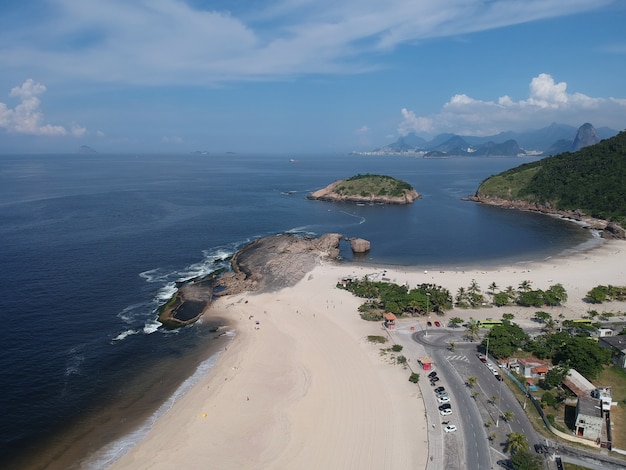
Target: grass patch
column 615, row 378
column 377, row 339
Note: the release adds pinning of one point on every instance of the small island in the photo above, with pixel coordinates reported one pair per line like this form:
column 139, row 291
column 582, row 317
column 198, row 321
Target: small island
column 370, row 189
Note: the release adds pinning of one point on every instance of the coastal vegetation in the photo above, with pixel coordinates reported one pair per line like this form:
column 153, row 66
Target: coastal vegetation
column 570, row 348
column 368, row 184
column 601, row 293
column 368, row 188
column 589, row 181
column 386, row 297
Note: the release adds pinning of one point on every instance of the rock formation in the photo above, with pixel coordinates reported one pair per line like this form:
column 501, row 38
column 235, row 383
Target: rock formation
column 359, row 245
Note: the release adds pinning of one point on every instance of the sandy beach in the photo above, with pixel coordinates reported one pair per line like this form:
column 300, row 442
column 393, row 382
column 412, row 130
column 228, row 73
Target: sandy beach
column 301, row 387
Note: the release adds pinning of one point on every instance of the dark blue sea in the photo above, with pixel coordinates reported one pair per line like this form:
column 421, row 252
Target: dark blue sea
column 91, row 245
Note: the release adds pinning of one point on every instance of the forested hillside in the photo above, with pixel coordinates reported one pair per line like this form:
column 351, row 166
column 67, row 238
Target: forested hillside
column 591, row 180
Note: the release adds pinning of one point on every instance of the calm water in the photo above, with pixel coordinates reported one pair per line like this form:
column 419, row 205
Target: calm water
column 90, row 246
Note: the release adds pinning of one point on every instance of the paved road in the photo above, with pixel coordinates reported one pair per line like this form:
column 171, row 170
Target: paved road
column 469, row 447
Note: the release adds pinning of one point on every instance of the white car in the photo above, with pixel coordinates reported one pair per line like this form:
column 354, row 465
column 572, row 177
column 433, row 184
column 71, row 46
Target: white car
column 450, row 428
column 445, row 412
column 443, row 399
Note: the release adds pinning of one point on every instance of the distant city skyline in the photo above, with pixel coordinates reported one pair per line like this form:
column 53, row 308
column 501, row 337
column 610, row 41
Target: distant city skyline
column 298, row 76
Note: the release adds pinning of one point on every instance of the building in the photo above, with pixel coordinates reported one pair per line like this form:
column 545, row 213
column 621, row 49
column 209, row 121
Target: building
column 617, row 344
column 589, row 419
column 579, row 385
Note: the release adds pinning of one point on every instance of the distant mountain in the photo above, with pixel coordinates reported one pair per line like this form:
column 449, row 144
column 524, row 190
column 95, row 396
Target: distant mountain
column 585, row 137
column 85, row 149
column 550, row 140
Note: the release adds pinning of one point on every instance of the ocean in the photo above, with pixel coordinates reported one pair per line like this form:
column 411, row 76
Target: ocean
column 92, row 245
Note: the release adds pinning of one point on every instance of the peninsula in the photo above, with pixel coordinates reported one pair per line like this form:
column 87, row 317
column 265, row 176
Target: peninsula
column 367, row 189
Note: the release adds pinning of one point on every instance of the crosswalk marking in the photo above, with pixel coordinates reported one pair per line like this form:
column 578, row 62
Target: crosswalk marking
column 458, row 357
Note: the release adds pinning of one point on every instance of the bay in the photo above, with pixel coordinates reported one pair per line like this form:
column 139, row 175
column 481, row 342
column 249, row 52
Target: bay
column 91, row 245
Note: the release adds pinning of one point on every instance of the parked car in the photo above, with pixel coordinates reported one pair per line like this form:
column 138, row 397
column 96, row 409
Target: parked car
column 482, row 358
column 437, row 324
column 440, row 389
column 443, row 399
column 442, row 394
column 432, row 374
column 445, row 406
column 434, row 380
column 429, row 323
column 445, row 412
column 450, row 428
column 498, row 377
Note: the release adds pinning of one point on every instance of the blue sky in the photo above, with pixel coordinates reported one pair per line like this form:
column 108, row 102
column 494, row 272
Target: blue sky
column 301, row 75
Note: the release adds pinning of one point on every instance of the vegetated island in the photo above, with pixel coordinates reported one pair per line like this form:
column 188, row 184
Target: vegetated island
column 367, row 189
column 587, row 186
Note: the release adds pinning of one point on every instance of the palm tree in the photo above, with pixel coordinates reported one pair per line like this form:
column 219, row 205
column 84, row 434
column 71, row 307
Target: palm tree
column 493, row 287
column 510, row 291
column 508, row 416
column 472, row 331
column 516, row 442
column 493, row 400
column 461, row 297
column 472, row 380
column 525, row 286
column 452, row 346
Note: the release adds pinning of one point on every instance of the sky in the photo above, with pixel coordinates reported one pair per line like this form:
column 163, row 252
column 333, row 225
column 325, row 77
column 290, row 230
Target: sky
column 298, row 76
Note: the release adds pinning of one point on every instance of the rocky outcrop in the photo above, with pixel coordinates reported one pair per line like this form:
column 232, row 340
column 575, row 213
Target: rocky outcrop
column 328, row 194
column 359, row 245
column 272, row 263
column 607, row 229
column 585, row 137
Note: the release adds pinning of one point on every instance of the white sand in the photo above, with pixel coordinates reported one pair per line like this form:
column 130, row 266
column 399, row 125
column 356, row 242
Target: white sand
column 304, row 389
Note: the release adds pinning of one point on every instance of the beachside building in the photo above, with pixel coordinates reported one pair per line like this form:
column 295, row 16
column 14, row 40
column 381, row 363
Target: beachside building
column 617, row 344
column 390, row 321
column 578, row 384
column 530, row 368
column 589, row 419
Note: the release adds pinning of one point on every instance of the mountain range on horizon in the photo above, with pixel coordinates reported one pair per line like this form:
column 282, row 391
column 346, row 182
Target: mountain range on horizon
column 550, row 140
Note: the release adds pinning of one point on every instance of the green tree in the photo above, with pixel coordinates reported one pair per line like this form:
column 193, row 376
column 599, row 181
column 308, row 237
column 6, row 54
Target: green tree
column 493, row 287
column 555, row 295
column 507, row 317
column 598, row 294
column 516, row 442
column 509, row 416
column 461, row 300
column 554, row 377
column 505, row 339
column 525, row 286
column 472, row 380
column 530, row 298
column 455, row 321
column 501, row 299
column 542, row 317
column 584, row 355
column 472, row 331
column 524, row 460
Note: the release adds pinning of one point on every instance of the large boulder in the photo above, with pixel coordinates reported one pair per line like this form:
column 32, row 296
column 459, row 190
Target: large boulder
column 359, row 245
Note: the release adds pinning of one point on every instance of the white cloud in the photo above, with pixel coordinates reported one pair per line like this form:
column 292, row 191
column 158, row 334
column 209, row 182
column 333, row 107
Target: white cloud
column 548, row 102
column 171, row 42
column 363, row 130
column 26, row 117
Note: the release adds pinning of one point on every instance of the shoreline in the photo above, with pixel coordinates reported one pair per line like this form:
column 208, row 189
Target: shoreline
column 303, row 385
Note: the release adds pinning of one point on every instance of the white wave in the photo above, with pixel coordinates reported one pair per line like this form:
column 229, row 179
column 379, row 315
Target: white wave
column 153, row 275
column 166, row 292
column 115, row 450
column 151, row 327
column 125, row 334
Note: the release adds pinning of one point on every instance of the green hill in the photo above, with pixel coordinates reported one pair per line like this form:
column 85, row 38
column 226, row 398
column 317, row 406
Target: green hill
column 368, row 188
column 591, row 181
